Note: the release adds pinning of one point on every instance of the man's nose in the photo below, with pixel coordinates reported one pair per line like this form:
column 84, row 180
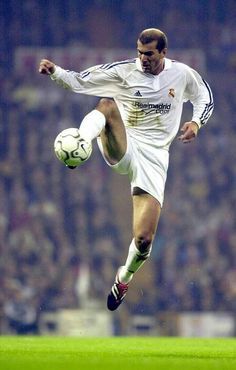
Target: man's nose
column 143, row 58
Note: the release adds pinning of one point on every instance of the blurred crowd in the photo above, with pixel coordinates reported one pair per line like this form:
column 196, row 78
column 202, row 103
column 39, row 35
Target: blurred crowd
column 60, row 243
column 55, row 223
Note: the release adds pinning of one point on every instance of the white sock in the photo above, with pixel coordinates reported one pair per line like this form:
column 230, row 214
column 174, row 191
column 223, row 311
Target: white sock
column 134, row 261
column 92, row 124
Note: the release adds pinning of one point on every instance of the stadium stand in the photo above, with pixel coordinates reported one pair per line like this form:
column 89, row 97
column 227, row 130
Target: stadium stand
column 55, row 223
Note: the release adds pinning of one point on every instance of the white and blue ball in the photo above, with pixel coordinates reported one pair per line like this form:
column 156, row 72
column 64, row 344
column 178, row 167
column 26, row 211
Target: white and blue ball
column 71, row 149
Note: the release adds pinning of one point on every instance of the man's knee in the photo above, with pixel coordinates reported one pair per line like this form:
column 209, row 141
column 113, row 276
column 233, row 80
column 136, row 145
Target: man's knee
column 109, row 108
column 143, row 242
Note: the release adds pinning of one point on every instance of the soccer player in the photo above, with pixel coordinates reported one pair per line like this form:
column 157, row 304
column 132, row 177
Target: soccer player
column 134, row 123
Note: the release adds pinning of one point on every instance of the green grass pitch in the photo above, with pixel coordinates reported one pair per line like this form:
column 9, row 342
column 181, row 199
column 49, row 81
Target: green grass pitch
column 63, row 353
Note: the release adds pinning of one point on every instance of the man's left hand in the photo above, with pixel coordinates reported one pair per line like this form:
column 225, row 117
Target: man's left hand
column 189, row 132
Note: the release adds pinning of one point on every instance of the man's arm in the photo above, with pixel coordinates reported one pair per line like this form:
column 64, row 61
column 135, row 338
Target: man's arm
column 199, row 93
column 94, row 81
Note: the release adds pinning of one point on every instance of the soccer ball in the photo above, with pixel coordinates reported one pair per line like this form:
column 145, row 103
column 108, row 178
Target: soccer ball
column 71, row 149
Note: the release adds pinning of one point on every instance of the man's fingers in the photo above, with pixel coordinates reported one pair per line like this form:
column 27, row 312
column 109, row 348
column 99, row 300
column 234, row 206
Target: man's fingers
column 187, row 141
column 43, row 67
column 189, row 132
column 187, row 136
column 46, row 67
column 44, row 71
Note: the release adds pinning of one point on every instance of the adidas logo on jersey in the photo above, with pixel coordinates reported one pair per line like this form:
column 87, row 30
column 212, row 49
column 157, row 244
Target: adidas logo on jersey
column 138, row 93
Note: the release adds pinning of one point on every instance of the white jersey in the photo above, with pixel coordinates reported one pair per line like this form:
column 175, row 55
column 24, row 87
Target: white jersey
column 150, row 105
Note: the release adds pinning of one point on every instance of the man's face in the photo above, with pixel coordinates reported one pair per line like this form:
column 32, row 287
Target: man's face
column 151, row 59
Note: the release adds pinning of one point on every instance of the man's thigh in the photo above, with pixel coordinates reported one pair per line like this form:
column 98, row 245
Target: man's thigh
column 113, row 136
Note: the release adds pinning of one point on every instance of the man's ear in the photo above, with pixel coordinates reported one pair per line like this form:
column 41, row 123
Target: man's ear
column 164, row 51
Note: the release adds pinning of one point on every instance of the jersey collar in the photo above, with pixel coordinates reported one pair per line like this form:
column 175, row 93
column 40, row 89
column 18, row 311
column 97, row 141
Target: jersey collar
column 168, row 64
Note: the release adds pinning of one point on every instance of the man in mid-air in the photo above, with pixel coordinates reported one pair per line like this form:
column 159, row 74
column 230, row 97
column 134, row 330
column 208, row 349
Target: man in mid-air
column 135, row 122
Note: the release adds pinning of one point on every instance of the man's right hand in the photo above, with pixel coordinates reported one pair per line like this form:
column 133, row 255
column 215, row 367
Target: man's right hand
column 46, row 67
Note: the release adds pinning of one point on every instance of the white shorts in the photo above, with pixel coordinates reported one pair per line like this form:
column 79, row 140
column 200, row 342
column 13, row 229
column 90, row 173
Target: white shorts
column 145, row 165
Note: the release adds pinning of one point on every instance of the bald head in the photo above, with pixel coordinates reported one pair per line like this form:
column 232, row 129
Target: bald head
column 153, row 34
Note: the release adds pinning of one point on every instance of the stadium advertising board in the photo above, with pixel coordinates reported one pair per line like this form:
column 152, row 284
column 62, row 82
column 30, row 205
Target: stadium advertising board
column 79, row 58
